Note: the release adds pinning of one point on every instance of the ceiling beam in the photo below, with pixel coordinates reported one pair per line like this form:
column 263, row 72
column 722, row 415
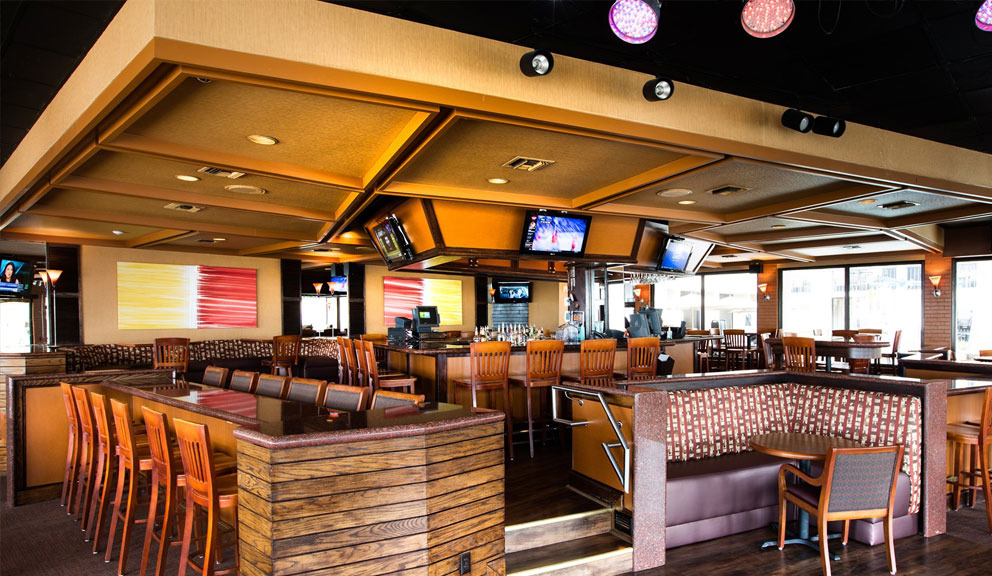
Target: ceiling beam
column 158, row 237
column 639, row 182
column 800, row 201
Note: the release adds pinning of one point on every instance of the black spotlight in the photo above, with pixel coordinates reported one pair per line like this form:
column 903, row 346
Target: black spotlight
column 658, row 89
column 826, row 126
column 537, row 63
column 797, row 120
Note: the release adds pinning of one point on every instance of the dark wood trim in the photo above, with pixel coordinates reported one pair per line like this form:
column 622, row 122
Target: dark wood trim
column 481, row 301
column 638, row 236
column 432, row 223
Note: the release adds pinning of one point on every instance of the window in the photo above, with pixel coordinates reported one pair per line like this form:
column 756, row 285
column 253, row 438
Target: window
column 732, row 299
column 15, row 325
column 680, row 299
column 324, row 312
column 972, row 307
column 812, row 300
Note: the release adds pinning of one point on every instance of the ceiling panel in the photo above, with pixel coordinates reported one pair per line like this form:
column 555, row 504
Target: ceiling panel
column 857, row 249
column 761, row 225
column 75, row 228
column 928, row 202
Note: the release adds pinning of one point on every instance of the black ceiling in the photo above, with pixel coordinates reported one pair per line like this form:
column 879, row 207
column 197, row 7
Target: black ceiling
column 917, row 67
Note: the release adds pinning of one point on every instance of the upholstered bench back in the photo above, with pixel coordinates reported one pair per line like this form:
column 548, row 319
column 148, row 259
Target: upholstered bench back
column 718, row 421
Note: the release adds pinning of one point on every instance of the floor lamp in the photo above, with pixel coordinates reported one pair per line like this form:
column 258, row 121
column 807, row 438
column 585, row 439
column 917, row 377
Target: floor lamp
column 52, row 276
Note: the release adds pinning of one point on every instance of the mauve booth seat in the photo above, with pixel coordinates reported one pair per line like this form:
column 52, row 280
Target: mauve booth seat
column 715, row 497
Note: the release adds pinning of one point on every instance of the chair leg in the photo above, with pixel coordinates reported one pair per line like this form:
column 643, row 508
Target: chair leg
column 508, row 410
column 890, row 550
column 106, row 470
column 132, row 503
column 530, row 422
column 956, row 485
column 781, row 521
column 824, row 548
column 187, row 534
column 986, row 487
column 115, row 511
column 70, row 472
column 847, row 531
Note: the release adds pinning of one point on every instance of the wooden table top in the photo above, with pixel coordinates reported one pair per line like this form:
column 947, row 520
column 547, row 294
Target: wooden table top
column 983, row 358
column 799, row 446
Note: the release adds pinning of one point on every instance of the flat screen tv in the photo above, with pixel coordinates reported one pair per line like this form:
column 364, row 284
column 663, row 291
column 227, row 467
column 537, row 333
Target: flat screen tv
column 550, row 233
column 674, row 254
column 392, row 240
column 338, row 284
column 15, row 276
column 512, row 292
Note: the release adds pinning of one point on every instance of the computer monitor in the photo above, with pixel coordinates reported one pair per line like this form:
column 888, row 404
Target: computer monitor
column 638, row 326
column 425, row 318
column 654, row 319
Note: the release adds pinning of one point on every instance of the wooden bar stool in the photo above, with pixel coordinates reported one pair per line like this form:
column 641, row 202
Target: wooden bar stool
column 272, row 385
column 73, row 452
column 285, row 353
column 642, row 358
column 341, row 397
column 596, row 363
column 131, row 461
column 388, row 380
column 210, row 492
column 702, row 349
column 306, row 390
column 346, row 359
column 388, row 399
column 105, row 469
column 979, row 440
column 490, row 365
column 87, row 450
column 543, row 371
column 215, row 376
column 735, row 348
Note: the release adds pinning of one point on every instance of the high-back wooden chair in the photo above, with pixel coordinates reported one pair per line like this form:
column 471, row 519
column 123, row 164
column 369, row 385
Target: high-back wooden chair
column 104, row 468
column 543, row 371
column 855, row 483
column 272, row 385
column 171, row 354
column 215, row 376
column 978, row 439
column 346, row 361
column 596, row 358
column 73, row 452
column 877, row 332
column 285, row 353
column 132, row 460
column 489, row 368
column 701, row 349
column 389, row 399
column 735, row 348
column 244, row 381
column 306, row 390
column 642, row 358
column 87, row 451
column 207, row 491
column 799, row 354
column 360, row 370
column 764, row 350
column 343, row 397
column 845, row 334
column 387, row 381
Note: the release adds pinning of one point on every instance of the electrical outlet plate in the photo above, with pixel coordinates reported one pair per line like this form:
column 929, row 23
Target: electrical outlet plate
column 465, row 563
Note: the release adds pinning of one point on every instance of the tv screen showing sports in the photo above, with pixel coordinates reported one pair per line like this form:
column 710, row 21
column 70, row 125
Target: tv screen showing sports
column 512, row 292
column 391, row 239
column 555, row 233
column 675, row 255
column 338, row 284
column 15, row 276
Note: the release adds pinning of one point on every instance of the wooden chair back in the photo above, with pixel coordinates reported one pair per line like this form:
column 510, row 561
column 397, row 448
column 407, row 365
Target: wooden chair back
column 845, row 334
column 70, row 409
column 544, row 360
column 342, row 397
column 125, row 433
column 160, row 445
column 490, row 362
column 345, row 361
column 734, row 339
column 361, row 367
column 244, row 381
column 799, row 354
column 764, row 350
column 985, row 424
column 642, row 358
column 876, row 332
column 784, row 334
column 980, row 352
column 215, row 376
column 196, row 452
column 306, row 390
column 390, row 399
column 84, row 410
column 101, row 423
column 596, row 360
column 371, row 365
column 860, row 482
column 286, row 350
column 272, row 385
column 171, row 354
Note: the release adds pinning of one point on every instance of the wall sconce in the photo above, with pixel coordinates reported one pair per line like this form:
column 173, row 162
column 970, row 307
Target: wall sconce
column 317, row 286
column 764, row 292
column 492, row 295
column 51, row 276
column 935, row 280
column 637, row 293
column 332, row 287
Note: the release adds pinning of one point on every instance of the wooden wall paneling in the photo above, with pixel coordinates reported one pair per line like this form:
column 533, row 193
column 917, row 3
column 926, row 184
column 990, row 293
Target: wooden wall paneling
column 68, row 314
column 291, row 273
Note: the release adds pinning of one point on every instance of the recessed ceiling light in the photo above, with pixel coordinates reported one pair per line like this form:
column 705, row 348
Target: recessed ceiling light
column 117, row 232
column 242, row 189
column 778, row 226
column 498, row 181
column 186, row 178
column 867, row 201
column 852, row 247
column 674, row 192
column 687, row 202
column 219, row 239
column 263, row 140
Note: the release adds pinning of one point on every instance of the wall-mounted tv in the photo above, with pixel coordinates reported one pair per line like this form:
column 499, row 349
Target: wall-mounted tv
column 15, row 276
column 550, row 233
column 509, row 292
column 338, row 284
column 391, row 238
column 674, row 255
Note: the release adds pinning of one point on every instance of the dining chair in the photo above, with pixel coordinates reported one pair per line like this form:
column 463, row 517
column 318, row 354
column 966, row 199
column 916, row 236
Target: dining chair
column 389, row 399
column 763, row 351
column 596, row 359
column 642, row 358
column 387, row 380
column 215, row 376
column 212, row 494
column 877, row 332
column 132, row 461
column 244, row 381
column 171, row 354
column 272, row 385
column 845, row 334
column 892, row 357
column 856, row 483
column 343, row 397
column 543, row 365
column 285, row 353
column 73, row 452
column 735, row 348
column 799, row 354
column 306, row 390
column 702, row 350
column 489, row 370
column 104, row 468
column 978, row 439
column 87, row 451
column 346, row 361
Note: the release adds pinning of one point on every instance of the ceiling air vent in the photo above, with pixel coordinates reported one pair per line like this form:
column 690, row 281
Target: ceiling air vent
column 728, row 190
column 899, row 205
column 221, row 172
column 183, row 207
column 528, row 164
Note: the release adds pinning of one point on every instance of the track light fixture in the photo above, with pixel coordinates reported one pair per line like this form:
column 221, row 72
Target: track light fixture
column 537, row 63
column 826, row 126
column 797, row 120
column 658, row 89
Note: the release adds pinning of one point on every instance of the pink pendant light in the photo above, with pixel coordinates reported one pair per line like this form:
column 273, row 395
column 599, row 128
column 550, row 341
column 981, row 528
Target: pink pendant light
column 635, row 21
column 767, row 18
column 983, row 18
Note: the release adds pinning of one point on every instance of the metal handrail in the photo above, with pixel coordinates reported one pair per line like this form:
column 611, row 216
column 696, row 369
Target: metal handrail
column 577, row 394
